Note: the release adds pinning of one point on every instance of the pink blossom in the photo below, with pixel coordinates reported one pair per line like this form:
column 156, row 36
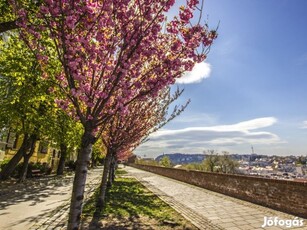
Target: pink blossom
column 110, row 57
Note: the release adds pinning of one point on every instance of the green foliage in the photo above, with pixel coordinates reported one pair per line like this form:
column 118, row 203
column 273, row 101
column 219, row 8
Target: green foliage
column 194, row 166
column 165, row 161
column 211, row 161
column 146, row 162
column 98, row 152
column 43, row 167
column 3, row 163
column 16, row 171
column 214, row 162
column 301, row 161
column 25, row 102
column 226, row 164
column 65, row 130
column 6, row 10
column 120, row 172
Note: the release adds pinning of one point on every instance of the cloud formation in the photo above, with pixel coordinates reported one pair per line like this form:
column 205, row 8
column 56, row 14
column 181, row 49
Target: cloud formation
column 225, row 137
column 199, row 72
column 304, row 126
column 243, row 127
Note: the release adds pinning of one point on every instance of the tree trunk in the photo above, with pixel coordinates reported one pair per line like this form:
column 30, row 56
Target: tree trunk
column 109, row 183
column 111, row 172
column 114, row 169
column 24, row 170
column 8, row 170
column 80, row 179
column 61, row 166
column 100, row 203
column 26, row 158
column 94, row 161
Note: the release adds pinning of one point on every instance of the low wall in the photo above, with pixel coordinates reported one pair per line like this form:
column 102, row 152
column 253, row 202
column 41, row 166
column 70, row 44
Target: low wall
column 282, row 195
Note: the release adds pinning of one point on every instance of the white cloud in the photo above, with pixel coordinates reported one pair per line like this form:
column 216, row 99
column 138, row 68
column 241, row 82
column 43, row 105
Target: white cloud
column 195, row 118
column 304, row 125
column 234, row 137
column 199, row 72
column 244, row 126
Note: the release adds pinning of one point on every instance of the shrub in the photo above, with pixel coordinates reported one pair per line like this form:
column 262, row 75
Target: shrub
column 43, row 167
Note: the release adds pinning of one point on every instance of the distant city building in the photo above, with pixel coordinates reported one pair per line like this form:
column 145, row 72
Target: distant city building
column 275, row 167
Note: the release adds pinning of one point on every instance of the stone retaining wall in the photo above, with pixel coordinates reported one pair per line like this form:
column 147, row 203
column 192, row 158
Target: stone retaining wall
column 283, row 195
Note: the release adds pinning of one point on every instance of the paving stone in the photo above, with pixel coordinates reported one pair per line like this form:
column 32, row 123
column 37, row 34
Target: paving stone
column 228, row 225
column 227, row 220
column 246, row 227
column 205, row 209
column 57, row 220
column 233, row 228
column 214, row 209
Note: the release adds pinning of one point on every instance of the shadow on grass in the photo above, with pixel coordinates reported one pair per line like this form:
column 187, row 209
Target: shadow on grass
column 128, row 200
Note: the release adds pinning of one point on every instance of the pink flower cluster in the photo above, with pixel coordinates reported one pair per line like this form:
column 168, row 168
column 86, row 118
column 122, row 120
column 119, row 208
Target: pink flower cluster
column 114, row 52
column 124, row 133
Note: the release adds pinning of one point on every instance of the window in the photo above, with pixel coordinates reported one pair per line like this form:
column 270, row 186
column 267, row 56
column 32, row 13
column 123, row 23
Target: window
column 43, row 147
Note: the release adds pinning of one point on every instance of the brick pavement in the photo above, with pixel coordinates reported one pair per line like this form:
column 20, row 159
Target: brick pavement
column 51, row 193
column 57, row 219
column 210, row 210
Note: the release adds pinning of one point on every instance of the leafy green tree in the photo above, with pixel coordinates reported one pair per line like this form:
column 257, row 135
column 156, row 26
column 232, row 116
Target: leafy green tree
column 211, row 160
column 214, row 162
column 99, row 152
column 165, row 161
column 25, row 102
column 194, row 166
column 227, row 164
column 146, row 162
column 8, row 18
column 66, row 134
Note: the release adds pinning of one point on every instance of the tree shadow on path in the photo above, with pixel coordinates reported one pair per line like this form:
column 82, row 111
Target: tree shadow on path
column 36, row 190
column 129, row 206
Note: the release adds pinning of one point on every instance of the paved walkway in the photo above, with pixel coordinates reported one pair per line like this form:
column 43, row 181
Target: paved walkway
column 207, row 209
column 41, row 203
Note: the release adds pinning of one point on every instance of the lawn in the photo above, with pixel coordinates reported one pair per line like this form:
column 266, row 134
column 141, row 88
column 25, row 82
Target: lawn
column 131, row 206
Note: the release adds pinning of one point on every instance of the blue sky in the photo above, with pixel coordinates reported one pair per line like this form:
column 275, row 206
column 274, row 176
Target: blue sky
column 253, row 90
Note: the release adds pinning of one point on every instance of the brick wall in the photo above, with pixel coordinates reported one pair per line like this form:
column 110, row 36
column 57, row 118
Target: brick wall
column 286, row 196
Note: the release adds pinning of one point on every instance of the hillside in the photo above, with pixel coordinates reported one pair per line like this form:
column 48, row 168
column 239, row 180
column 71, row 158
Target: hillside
column 181, row 158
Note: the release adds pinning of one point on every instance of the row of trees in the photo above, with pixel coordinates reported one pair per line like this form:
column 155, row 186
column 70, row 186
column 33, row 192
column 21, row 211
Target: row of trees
column 215, row 162
column 105, row 66
column 165, row 162
column 27, row 106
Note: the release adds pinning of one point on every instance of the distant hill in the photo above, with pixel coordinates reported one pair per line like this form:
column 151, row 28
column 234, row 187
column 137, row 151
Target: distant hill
column 182, row 158
column 185, row 158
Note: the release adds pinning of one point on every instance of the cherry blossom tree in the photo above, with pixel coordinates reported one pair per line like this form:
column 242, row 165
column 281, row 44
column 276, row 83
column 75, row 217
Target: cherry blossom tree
column 124, row 133
column 110, row 54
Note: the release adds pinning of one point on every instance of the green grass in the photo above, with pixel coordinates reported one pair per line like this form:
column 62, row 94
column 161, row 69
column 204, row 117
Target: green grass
column 120, row 172
column 129, row 199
